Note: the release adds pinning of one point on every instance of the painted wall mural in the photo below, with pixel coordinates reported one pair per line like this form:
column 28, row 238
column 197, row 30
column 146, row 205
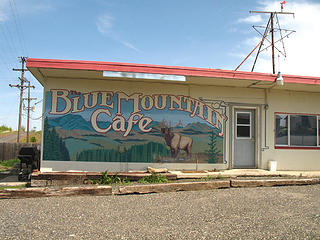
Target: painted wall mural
column 106, row 126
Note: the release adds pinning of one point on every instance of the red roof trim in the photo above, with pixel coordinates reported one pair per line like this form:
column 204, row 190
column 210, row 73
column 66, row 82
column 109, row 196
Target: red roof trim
column 160, row 69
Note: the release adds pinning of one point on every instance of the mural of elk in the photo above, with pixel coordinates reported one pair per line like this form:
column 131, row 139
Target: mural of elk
column 177, row 142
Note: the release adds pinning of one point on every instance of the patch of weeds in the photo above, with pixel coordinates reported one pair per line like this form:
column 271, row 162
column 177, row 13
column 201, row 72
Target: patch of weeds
column 126, row 180
column 6, row 165
column 154, row 178
column 12, row 187
column 108, row 180
column 9, row 163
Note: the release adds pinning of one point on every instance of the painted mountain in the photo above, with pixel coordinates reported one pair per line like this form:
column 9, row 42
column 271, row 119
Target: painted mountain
column 79, row 142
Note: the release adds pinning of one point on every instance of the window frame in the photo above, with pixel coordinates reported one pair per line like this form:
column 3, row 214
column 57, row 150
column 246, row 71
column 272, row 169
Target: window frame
column 275, row 130
column 244, row 125
column 318, row 131
column 289, row 146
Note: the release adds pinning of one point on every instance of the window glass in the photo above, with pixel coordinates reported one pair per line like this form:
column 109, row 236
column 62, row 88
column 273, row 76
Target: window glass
column 243, row 131
column 303, row 130
column 243, row 118
column 282, row 129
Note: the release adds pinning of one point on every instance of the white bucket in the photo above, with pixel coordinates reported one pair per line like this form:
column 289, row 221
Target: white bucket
column 272, row 166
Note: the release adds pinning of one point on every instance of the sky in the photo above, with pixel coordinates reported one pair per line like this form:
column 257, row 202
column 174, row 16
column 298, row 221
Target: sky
column 191, row 33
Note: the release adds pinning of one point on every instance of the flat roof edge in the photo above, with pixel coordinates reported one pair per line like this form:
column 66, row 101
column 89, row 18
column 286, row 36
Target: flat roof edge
column 162, row 69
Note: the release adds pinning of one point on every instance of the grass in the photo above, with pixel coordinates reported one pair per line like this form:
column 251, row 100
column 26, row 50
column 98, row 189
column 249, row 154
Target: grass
column 213, row 177
column 13, row 187
column 8, row 164
column 34, row 137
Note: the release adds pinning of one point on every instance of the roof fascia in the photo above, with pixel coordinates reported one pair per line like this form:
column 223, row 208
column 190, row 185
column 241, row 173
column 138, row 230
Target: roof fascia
column 160, row 69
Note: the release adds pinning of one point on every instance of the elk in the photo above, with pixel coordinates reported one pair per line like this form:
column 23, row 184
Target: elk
column 177, row 142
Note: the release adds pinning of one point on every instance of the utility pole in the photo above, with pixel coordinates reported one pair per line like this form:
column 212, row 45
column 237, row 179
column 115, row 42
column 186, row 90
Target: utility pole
column 21, row 87
column 272, row 43
column 28, row 108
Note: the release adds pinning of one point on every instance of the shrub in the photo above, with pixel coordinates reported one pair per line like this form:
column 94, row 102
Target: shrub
column 5, row 128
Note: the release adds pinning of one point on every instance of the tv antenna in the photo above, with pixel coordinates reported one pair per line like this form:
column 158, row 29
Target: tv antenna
column 270, row 30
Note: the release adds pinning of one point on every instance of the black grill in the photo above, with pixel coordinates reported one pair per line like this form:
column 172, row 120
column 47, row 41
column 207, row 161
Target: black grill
column 29, row 160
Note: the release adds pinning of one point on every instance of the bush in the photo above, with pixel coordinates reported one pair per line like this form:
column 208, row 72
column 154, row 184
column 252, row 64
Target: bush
column 5, row 128
column 33, row 139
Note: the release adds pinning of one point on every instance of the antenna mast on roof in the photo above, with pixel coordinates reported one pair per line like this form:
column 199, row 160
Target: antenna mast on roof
column 269, row 29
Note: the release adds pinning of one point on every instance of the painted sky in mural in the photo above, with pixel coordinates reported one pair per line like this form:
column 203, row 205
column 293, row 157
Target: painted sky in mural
column 115, row 126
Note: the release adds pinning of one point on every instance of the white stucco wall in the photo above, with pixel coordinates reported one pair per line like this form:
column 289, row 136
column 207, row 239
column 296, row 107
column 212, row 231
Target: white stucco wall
column 278, row 101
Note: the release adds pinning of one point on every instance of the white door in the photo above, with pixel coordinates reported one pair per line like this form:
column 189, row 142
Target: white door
column 244, row 138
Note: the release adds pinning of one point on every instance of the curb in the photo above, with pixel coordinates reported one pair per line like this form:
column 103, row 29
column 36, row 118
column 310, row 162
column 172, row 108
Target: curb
column 272, row 182
column 39, row 179
column 51, row 192
column 173, row 187
column 151, row 188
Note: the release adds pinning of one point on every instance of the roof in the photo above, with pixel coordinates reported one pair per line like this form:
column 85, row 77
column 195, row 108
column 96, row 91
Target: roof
column 252, row 77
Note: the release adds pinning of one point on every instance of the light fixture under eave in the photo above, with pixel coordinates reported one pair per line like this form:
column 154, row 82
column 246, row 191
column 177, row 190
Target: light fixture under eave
column 279, row 79
column 152, row 76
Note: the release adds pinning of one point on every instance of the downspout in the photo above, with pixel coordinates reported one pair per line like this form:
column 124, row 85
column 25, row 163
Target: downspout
column 266, row 107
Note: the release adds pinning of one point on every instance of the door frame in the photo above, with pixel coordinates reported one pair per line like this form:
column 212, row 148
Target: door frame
column 257, row 131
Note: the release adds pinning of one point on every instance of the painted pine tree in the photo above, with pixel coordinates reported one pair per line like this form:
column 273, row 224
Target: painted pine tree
column 54, row 147
column 213, row 151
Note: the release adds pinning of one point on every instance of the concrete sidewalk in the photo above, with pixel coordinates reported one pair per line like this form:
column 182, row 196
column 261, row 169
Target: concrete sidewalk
column 207, row 181
column 245, row 173
column 11, row 181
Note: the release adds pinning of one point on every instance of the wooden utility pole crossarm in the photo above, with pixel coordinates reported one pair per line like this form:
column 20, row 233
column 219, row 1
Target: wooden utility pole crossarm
column 21, row 86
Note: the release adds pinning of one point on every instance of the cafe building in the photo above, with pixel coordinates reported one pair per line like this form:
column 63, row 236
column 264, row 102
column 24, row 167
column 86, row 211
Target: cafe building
column 123, row 116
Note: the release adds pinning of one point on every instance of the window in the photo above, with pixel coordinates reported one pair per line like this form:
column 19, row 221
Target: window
column 282, row 129
column 244, row 125
column 303, row 130
column 295, row 130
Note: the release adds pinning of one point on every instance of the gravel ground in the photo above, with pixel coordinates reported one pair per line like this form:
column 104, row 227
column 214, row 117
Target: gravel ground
column 235, row 213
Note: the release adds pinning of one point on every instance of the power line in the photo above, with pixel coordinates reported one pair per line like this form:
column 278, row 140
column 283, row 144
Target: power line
column 8, row 48
column 18, row 25
column 9, row 39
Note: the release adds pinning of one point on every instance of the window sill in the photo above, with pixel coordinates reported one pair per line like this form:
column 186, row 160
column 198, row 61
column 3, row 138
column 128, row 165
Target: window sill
column 298, row 147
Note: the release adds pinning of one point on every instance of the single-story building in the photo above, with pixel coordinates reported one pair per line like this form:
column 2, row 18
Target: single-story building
column 122, row 116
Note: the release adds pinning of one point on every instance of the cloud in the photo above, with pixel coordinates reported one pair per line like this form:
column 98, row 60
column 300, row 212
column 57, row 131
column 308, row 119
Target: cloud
column 251, row 19
column 129, row 45
column 252, row 41
column 3, row 10
column 105, row 25
column 3, row 17
column 23, row 7
column 301, row 47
